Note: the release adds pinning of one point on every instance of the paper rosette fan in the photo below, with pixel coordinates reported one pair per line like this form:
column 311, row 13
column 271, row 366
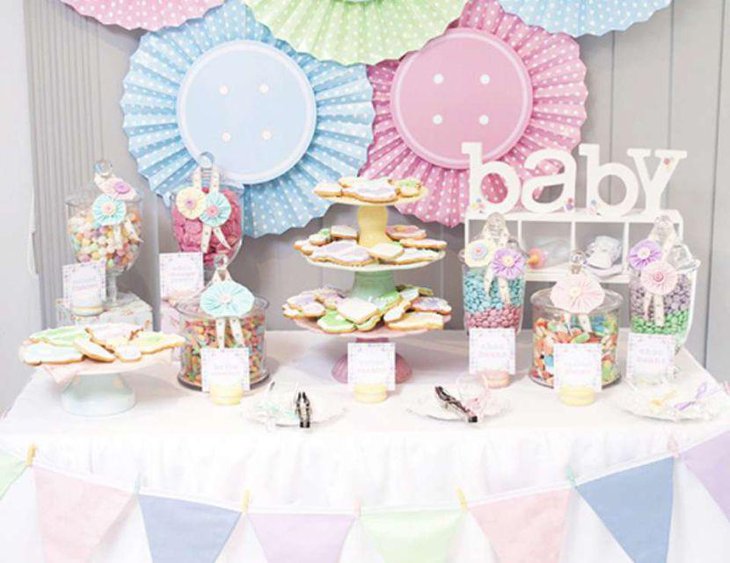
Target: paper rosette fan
column 490, row 79
column 276, row 121
column 582, row 17
column 145, row 14
column 357, row 31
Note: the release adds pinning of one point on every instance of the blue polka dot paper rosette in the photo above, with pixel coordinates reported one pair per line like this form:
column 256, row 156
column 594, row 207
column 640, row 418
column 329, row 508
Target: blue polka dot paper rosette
column 584, row 17
column 277, row 121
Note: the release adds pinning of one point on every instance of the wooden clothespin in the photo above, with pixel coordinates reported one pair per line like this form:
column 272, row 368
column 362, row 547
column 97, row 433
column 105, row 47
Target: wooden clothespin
column 673, row 446
column 30, row 455
column 246, row 501
column 570, row 476
column 462, row 499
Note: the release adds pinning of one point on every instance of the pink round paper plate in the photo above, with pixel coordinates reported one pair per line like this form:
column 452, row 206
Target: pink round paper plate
column 490, row 78
column 143, row 14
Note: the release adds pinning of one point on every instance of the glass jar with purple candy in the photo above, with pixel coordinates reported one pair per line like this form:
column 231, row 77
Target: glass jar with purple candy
column 662, row 286
column 493, row 278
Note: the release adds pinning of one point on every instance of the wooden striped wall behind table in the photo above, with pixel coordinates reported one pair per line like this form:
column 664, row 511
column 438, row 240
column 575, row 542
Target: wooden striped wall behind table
column 660, row 84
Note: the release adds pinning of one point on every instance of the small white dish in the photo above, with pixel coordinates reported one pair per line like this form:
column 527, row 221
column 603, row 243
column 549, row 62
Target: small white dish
column 276, row 409
column 673, row 402
column 427, row 405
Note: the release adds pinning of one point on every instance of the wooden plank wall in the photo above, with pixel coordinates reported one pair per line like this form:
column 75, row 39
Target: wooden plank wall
column 660, row 84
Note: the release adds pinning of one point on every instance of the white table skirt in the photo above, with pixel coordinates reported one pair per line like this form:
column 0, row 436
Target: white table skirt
column 181, row 445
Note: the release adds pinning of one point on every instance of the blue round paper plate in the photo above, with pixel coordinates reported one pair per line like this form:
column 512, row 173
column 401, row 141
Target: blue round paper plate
column 277, row 121
column 583, row 17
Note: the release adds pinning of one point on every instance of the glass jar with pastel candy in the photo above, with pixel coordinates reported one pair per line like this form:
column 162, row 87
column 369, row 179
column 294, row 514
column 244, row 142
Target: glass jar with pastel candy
column 104, row 223
column 662, row 284
column 493, row 278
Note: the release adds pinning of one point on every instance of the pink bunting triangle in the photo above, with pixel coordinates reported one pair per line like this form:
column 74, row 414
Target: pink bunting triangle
column 74, row 515
column 304, row 538
column 710, row 462
column 526, row 529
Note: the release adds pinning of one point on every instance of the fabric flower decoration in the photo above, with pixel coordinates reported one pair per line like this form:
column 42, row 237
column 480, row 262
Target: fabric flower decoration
column 644, row 253
column 226, row 299
column 577, row 293
column 216, row 209
column 118, row 189
column 108, row 211
column 477, row 254
column 659, row 278
column 508, row 263
column 190, row 202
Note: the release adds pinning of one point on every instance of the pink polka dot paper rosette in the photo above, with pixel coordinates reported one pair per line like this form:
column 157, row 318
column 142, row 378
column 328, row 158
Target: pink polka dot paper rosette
column 143, row 14
column 490, row 78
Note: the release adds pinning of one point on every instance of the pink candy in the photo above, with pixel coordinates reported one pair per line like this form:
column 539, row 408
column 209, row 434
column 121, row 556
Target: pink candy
column 507, row 317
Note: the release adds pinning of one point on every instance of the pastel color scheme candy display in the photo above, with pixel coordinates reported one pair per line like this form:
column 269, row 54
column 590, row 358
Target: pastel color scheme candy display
column 583, row 17
column 526, row 92
column 483, row 306
column 145, row 14
column 277, row 121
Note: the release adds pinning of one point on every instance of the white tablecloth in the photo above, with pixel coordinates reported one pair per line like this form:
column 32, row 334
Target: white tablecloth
column 179, row 444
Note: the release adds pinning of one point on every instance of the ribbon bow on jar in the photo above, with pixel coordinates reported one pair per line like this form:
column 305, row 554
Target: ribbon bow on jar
column 658, row 279
column 578, row 293
column 109, row 208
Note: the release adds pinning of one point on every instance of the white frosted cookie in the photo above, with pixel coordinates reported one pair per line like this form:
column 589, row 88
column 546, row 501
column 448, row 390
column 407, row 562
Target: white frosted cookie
column 418, row 321
column 305, row 247
column 44, row 353
column 291, row 312
column 343, row 232
column 396, row 313
column 128, row 353
column 94, row 351
column 386, row 251
column 408, row 187
column 320, row 238
column 401, row 232
column 349, row 181
column 427, row 243
column 357, row 310
column 427, row 291
column 307, row 305
column 113, row 334
column 414, row 255
column 344, row 252
column 432, row 305
column 372, row 191
column 369, row 325
column 150, row 342
column 334, row 323
column 326, row 189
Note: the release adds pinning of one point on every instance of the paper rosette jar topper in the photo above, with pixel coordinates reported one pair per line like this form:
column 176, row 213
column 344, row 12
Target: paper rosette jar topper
column 145, row 14
column 357, row 31
column 278, row 122
column 490, row 79
column 583, row 17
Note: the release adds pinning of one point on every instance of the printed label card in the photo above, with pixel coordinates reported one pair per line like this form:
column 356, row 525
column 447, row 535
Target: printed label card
column 181, row 274
column 84, row 283
column 491, row 349
column 650, row 357
column 226, row 366
column 578, row 365
column 371, row 363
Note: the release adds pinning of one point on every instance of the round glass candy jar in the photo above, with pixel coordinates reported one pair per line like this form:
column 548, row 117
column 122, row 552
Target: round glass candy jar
column 199, row 330
column 552, row 325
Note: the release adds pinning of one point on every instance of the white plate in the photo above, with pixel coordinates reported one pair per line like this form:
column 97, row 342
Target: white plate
column 659, row 402
column 273, row 409
column 426, row 404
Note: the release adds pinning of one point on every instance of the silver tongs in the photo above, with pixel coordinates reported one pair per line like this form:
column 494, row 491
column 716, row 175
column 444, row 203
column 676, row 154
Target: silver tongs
column 304, row 410
column 453, row 404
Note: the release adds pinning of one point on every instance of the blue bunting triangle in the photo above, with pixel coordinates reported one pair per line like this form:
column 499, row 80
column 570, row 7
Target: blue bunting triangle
column 636, row 507
column 179, row 531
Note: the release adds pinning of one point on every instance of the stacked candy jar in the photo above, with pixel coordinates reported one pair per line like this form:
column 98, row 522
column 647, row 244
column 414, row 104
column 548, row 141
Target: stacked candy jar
column 207, row 218
column 494, row 278
column 577, row 310
column 106, row 226
column 662, row 285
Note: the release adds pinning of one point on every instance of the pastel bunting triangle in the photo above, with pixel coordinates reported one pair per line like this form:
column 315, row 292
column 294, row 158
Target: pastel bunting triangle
column 304, row 538
column 180, row 531
column 11, row 468
column 710, row 463
column 74, row 515
column 425, row 536
column 636, row 507
column 525, row 529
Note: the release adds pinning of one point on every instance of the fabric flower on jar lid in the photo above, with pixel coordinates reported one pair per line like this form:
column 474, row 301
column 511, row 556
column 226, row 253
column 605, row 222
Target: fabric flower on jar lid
column 577, row 293
column 216, row 209
column 226, row 299
column 117, row 188
column 508, row 263
column 108, row 211
column 644, row 253
column 190, row 202
column 659, row 278
column 478, row 253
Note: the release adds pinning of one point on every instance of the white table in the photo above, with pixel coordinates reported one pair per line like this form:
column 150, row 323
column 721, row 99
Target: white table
column 182, row 445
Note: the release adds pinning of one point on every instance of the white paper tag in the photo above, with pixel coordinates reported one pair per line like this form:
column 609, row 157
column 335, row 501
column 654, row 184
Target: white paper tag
column 371, row 363
column 225, row 366
column 650, row 356
column 491, row 349
column 84, row 282
column 578, row 365
column 181, row 274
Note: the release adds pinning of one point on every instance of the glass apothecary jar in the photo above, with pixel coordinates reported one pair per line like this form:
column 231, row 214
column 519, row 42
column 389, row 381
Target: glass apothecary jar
column 592, row 317
column 663, row 283
column 104, row 224
column 493, row 273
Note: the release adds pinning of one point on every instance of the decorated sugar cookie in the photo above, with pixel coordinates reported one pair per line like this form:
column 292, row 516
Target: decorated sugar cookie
column 400, row 232
column 150, row 342
column 328, row 190
column 372, row 191
column 334, row 323
column 344, row 252
column 357, row 310
column 61, row 336
column 426, row 243
column 414, row 255
column 418, row 321
column 409, row 187
column 44, row 353
column 386, row 251
column 94, row 351
column 432, row 304
column 343, row 232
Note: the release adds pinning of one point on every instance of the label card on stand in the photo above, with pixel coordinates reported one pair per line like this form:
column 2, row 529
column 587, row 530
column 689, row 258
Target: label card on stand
column 82, row 281
column 491, row 349
column 225, row 366
column 371, row 363
column 181, row 274
column 578, row 365
column 650, row 356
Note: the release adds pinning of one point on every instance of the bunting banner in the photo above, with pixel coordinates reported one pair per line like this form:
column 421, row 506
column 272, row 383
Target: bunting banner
column 180, row 531
column 710, row 463
column 425, row 536
column 310, row 538
column 636, row 507
column 525, row 529
column 74, row 515
column 11, row 468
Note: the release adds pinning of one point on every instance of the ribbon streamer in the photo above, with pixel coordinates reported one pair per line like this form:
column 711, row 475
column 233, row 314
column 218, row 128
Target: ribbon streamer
column 214, row 184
